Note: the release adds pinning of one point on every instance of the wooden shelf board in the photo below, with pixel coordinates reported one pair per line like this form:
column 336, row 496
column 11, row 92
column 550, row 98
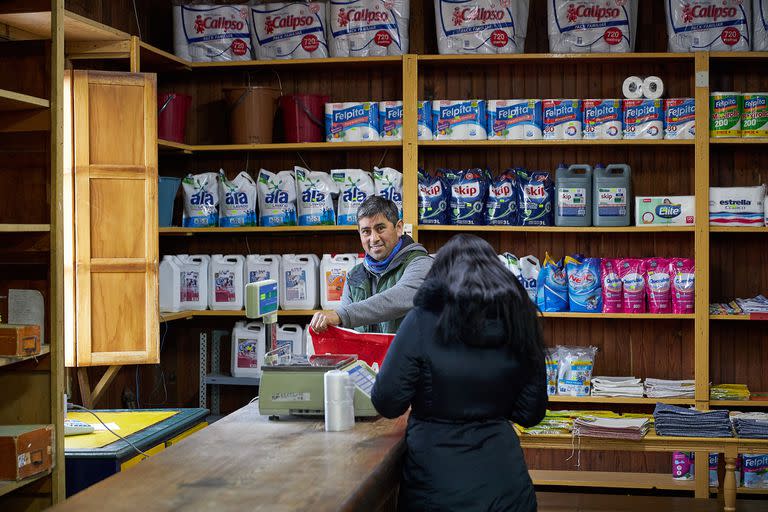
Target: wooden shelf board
column 168, row 317
column 301, row 146
column 555, row 58
column 76, row 27
column 155, row 59
column 559, row 229
column 544, row 143
column 736, row 140
column 628, row 316
column 748, row 318
column 739, row 403
column 5, row 361
column 303, row 63
column 739, row 55
column 7, row 486
column 619, row 400
column 738, row 229
column 609, row 479
column 13, row 101
column 277, row 229
column 25, row 228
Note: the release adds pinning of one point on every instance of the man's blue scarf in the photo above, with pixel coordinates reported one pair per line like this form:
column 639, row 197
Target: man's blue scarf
column 378, row 267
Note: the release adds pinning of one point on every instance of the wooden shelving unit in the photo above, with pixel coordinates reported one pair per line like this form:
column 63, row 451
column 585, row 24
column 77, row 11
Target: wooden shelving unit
column 555, row 143
column 44, row 350
column 619, row 400
column 610, row 480
column 186, row 315
column 25, row 228
column 13, row 101
column 263, row 230
column 7, row 486
column 278, row 147
column 734, row 141
column 558, row 229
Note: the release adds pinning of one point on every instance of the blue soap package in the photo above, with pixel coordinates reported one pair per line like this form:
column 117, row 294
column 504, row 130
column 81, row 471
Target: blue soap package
column 535, row 194
column 469, row 189
column 434, row 199
column 552, row 286
column 501, row 204
column 585, row 293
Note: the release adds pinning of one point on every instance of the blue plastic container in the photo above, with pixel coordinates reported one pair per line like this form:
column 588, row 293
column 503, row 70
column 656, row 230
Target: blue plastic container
column 166, row 193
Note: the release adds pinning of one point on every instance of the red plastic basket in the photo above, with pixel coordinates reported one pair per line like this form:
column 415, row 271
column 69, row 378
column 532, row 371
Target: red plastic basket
column 369, row 347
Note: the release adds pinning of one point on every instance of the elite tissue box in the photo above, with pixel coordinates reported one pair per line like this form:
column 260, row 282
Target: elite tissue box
column 665, row 210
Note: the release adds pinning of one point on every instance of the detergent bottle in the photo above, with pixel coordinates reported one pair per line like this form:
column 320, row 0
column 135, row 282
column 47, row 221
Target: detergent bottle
column 573, row 194
column 612, row 195
column 333, row 275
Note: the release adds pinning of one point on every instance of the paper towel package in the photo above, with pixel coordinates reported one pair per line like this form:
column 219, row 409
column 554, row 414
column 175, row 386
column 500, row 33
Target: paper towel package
column 514, row 119
column 391, row 120
column 368, row 28
column 643, row 119
column 679, row 118
column 666, row 210
column 481, row 26
column 424, row 126
column 603, row 119
column 561, row 119
column 737, row 206
column 708, row 25
column 760, row 25
column 211, row 33
column 592, row 26
column 288, row 30
column 351, row 122
column 458, row 120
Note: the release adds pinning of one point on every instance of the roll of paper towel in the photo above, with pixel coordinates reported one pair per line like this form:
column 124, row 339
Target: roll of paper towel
column 481, row 26
column 352, row 122
column 211, row 33
column 289, row 30
column 679, row 118
column 339, row 395
column 514, row 119
column 643, row 119
column 591, row 26
column 459, row 120
column 632, row 88
column 368, row 28
column 562, row 119
column 653, row 88
column 708, row 25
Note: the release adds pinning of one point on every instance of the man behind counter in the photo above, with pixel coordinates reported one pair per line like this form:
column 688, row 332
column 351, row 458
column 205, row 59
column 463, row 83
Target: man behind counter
column 379, row 292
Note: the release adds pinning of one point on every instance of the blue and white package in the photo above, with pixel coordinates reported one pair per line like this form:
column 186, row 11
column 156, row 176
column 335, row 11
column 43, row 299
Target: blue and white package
column 424, row 127
column 459, row 120
column 391, row 120
column 514, row 120
column 585, row 291
column 238, row 198
column 679, row 118
column 434, row 199
column 552, row 286
column 277, row 198
column 314, row 200
column 201, row 200
column 561, row 119
column 354, row 187
column 603, row 119
column 760, row 26
column 643, row 119
column 388, row 182
column 501, row 205
column 289, row 30
column 574, row 373
column 469, row 189
column 535, row 198
column 708, row 25
column 351, row 122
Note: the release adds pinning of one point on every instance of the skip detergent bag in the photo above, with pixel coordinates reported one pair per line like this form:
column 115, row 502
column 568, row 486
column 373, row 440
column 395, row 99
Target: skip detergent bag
column 501, row 204
column 469, row 188
column 237, row 207
column 388, row 183
column 434, row 198
column 552, row 286
column 355, row 185
column 584, row 285
column 277, row 198
column 201, row 200
column 535, row 195
column 314, row 201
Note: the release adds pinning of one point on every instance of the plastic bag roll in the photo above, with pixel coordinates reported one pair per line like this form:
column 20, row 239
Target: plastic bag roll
column 339, row 401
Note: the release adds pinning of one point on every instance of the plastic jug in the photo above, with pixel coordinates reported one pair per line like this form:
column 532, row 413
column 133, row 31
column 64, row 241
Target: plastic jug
column 309, row 347
column 298, row 282
column 333, row 275
column 291, row 335
column 573, row 195
column 249, row 344
column 193, row 287
column 259, row 267
column 612, row 195
column 225, row 286
column 170, row 284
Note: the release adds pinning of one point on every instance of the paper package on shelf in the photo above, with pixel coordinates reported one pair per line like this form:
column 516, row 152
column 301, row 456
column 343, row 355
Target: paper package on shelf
column 708, row 25
column 481, row 26
column 760, row 25
column 592, row 26
column 368, row 28
column 211, row 33
column 289, row 30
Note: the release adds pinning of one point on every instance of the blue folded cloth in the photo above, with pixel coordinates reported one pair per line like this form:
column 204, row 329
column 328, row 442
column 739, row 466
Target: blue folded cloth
column 671, row 420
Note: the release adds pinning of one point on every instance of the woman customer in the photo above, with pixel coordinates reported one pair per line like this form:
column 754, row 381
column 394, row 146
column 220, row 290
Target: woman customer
column 468, row 359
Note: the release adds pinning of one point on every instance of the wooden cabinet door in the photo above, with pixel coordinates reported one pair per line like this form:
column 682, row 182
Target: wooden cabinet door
column 115, row 226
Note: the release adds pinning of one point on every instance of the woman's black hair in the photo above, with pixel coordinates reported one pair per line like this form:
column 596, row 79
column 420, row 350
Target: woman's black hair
column 468, row 287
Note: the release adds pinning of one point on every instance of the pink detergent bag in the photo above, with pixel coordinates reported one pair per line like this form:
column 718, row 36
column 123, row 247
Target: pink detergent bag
column 633, row 284
column 612, row 289
column 658, row 285
column 682, row 272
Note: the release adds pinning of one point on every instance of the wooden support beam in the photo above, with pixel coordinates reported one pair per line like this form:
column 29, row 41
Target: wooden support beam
column 85, row 387
column 104, row 383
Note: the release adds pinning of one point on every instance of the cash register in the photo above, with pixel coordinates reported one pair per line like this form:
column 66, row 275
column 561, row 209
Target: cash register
column 292, row 384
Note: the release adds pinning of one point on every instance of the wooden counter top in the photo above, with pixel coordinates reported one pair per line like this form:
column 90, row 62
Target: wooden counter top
column 246, row 462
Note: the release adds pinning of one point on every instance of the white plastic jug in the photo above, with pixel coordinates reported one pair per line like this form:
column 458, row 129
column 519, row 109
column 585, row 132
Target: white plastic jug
column 225, row 286
column 259, row 267
column 309, row 347
column 333, row 275
column 170, row 283
column 299, row 281
column 249, row 344
column 194, row 281
column 291, row 335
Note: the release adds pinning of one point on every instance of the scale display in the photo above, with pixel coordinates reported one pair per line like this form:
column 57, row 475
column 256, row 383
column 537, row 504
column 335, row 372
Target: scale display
column 362, row 377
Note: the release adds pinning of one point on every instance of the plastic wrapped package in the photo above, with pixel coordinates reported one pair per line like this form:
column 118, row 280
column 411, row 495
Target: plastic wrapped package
column 368, row 28
column 289, row 30
column 575, row 365
column 207, row 32
column 592, row 26
column 708, row 25
column 481, row 26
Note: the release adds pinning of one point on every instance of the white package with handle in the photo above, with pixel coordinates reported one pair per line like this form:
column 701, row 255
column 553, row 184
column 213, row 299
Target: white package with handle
column 289, row 30
column 211, row 33
column 368, row 28
column 708, row 25
column 481, row 26
column 737, row 206
column 592, row 26
column 760, row 26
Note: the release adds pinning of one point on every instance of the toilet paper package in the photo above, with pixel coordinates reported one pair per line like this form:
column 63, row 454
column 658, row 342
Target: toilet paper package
column 514, row 119
column 589, row 26
column 760, row 25
column 481, row 26
column 708, row 25
column 211, row 33
column 391, row 120
column 201, row 200
column 561, row 119
column 368, row 28
column 458, row 120
column 737, row 206
column 289, row 30
column 424, row 126
column 277, row 198
column 314, row 201
column 754, row 116
column 679, row 118
column 603, row 119
column 238, row 197
column 352, row 122
column 354, row 187
column 643, row 119
column 388, row 183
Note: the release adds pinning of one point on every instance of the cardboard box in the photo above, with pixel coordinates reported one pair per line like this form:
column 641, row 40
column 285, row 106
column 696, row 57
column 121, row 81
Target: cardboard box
column 665, row 210
column 19, row 340
column 25, row 450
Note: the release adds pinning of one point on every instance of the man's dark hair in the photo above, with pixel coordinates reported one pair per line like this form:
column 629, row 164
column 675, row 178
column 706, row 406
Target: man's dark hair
column 376, row 205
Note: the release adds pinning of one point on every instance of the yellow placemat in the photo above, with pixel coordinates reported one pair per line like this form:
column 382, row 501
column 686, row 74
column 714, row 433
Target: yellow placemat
column 128, row 422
